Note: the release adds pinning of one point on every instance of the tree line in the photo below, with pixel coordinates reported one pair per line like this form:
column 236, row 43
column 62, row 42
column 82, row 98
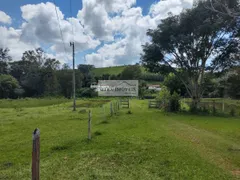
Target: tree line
column 37, row 75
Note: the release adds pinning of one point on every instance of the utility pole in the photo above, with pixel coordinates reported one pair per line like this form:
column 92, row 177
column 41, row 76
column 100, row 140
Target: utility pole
column 74, row 83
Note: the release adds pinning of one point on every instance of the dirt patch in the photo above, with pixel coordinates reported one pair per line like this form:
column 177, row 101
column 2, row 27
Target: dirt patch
column 236, row 173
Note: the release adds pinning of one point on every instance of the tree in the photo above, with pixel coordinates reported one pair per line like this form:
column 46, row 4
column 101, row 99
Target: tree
column 131, row 73
column 225, row 7
column 7, row 86
column 233, row 84
column 64, row 77
column 4, row 60
column 174, row 85
column 86, row 71
column 186, row 42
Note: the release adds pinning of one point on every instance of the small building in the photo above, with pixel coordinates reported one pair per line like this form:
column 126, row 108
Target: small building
column 155, row 87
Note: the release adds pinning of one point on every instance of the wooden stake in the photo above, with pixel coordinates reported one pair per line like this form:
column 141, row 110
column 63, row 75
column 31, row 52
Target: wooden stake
column 89, row 125
column 111, row 109
column 223, row 106
column 35, row 154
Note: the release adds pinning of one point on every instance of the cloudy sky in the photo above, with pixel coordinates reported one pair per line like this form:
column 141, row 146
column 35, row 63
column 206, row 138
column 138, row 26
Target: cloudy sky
column 105, row 32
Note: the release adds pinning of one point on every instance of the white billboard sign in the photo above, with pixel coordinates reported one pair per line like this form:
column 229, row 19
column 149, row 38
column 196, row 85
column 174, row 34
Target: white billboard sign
column 117, row 88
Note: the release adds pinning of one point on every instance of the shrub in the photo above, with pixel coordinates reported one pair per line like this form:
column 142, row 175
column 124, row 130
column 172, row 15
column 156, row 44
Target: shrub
column 175, row 102
column 232, row 112
column 86, row 92
column 168, row 102
column 164, row 99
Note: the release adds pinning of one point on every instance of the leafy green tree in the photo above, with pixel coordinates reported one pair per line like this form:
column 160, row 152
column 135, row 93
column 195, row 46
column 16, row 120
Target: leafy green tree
column 86, row 71
column 174, row 85
column 131, row 73
column 4, row 60
column 64, row 77
column 188, row 41
column 225, row 7
column 7, row 86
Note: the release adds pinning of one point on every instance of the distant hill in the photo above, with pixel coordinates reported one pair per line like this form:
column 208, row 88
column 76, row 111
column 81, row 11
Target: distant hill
column 114, row 70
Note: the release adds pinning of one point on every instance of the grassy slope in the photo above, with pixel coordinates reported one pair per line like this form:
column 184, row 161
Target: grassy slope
column 110, row 70
column 144, row 145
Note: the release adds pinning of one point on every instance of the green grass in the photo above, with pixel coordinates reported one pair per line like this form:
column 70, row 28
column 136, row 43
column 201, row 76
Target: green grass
column 115, row 70
column 108, row 70
column 31, row 102
column 146, row 144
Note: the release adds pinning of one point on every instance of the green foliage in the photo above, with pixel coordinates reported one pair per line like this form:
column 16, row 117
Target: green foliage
column 131, row 73
column 7, row 86
column 86, row 92
column 174, row 102
column 174, row 84
column 233, row 84
column 4, row 60
column 232, row 112
column 164, row 97
column 64, row 77
column 152, row 77
column 168, row 102
column 185, row 43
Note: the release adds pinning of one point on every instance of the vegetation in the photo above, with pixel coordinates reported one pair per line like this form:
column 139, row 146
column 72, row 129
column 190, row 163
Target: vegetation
column 185, row 43
column 144, row 144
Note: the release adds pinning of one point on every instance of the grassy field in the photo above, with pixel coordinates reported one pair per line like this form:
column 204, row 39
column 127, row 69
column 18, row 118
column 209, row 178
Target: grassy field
column 110, row 70
column 29, row 102
column 143, row 144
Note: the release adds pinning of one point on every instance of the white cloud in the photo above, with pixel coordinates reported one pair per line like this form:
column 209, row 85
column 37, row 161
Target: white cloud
column 161, row 9
column 42, row 26
column 4, row 18
column 117, row 24
column 10, row 38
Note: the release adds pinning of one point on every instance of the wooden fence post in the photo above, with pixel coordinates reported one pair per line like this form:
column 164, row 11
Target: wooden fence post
column 223, row 106
column 111, row 109
column 104, row 115
column 35, row 154
column 89, row 124
column 214, row 108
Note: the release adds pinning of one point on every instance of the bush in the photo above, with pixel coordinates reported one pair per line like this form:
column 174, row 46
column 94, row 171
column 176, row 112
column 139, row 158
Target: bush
column 86, row 92
column 175, row 102
column 168, row 102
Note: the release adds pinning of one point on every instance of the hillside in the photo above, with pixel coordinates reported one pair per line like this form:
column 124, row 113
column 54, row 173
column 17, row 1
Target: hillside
column 114, row 70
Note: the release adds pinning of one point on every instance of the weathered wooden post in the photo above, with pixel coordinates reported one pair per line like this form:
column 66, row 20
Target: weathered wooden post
column 35, row 154
column 115, row 107
column 104, row 115
column 223, row 106
column 214, row 108
column 111, row 109
column 89, row 124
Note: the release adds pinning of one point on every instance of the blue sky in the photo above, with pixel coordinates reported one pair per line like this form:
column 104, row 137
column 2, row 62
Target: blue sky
column 113, row 30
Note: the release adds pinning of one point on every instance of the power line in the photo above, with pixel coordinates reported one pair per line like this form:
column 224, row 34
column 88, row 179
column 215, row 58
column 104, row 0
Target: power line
column 59, row 25
column 71, row 20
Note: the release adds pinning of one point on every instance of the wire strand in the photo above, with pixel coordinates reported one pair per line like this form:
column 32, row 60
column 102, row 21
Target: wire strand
column 60, row 28
column 71, row 20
